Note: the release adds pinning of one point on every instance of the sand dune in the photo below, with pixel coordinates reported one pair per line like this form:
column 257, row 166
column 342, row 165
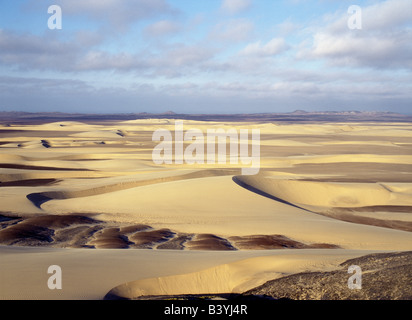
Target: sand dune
column 65, row 126
column 234, row 277
column 74, row 193
column 329, row 194
column 185, row 209
column 272, row 242
column 209, row 242
column 39, row 198
column 29, row 145
column 90, row 274
column 344, row 201
column 100, row 134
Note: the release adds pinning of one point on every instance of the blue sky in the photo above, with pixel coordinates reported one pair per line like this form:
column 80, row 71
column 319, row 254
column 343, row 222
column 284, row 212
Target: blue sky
column 211, row 56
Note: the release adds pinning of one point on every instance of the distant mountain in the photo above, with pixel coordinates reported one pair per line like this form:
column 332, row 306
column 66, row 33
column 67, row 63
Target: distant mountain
column 169, row 113
column 11, row 117
column 346, row 113
column 299, row 112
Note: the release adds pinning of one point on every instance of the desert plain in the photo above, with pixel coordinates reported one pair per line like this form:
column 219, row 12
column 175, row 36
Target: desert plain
column 88, row 197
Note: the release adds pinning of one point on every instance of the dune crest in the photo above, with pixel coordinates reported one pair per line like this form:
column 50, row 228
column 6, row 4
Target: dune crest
column 329, row 194
column 344, row 201
column 234, row 277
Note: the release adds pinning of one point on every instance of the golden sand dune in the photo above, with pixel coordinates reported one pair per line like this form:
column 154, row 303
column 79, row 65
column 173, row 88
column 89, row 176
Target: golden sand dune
column 287, row 143
column 106, row 187
column 379, row 204
column 100, row 134
column 31, row 144
column 355, row 142
column 358, row 158
column 185, row 207
column 273, row 242
column 234, row 277
column 342, row 188
column 65, row 126
column 90, row 274
column 324, row 194
column 209, row 242
column 384, row 132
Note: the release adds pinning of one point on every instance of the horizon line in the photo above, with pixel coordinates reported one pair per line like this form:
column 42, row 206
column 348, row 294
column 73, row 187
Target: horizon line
column 295, row 112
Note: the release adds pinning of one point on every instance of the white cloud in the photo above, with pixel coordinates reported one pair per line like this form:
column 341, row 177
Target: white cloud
column 383, row 42
column 100, row 60
column 232, row 30
column 27, row 51
column 183, row 55
column 271, row 48
column 235, row 6
column 382, row 52
column 386, row 15
column 287, row 27
column 383, row 16
column 162, row 28
column 114, row 14
column 32, row 52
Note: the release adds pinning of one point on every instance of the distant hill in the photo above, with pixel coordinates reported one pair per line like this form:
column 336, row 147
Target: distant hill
column 296, row 116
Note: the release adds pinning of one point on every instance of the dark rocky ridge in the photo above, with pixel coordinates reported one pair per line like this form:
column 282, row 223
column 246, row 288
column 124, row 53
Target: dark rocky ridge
column 385, row 276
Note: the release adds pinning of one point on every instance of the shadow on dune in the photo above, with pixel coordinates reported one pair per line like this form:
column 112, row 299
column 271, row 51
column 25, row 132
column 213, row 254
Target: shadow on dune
column 264, row 194
column 38, row 199
column 347, row 214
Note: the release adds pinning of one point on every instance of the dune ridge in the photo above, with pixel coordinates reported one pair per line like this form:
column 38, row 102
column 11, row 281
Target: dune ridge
column 339, row 200
column 39, row 198
column 234, row 277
